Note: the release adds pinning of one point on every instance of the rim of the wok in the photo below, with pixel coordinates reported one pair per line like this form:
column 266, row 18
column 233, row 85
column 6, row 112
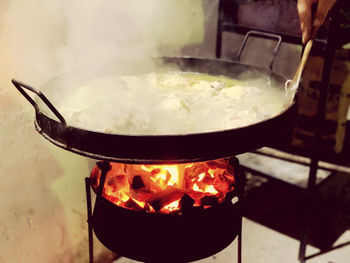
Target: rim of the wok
column 41, row 118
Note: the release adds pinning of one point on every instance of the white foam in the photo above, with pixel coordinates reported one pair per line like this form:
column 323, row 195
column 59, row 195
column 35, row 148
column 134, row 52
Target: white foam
column 168, row 104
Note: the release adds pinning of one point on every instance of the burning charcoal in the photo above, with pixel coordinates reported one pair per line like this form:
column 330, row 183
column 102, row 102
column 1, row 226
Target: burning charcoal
column 222, row 164
column 194, row 170
column 111, row 180
column 223, row 186
column 209, row 200
column 189, row 182
column 95, row 177
column 141, row 194
column 136, row 170
column 131, row 204
column 229, row 176
column 208, row 179
column 121, row 179
column 196, row 195
column 158, row 201
column 155, row 171
column 186, row 203
column 163, row 176
column 148, row 208
column 111, row 183
column 137, row 182
column 157, row 205
column 115, row 182
column 118, row 168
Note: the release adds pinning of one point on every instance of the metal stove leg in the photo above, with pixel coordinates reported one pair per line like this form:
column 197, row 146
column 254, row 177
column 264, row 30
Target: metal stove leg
column 104, row 167
column 240, row 193
column 89, row 213
column 311, row 188
column 320, row 117
column 239, row 245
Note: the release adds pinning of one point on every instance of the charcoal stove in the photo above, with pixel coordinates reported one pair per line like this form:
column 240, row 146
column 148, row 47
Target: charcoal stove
column 199, row 227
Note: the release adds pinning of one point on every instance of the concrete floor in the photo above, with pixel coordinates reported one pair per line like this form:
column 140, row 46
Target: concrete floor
column 263, row 245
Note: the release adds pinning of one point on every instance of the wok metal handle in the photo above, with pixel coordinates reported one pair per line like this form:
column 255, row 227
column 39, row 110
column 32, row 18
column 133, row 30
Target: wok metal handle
column 263, row 35
column 19, row 85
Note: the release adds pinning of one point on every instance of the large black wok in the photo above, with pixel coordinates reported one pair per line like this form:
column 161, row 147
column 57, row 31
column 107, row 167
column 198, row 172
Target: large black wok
column 155, row 148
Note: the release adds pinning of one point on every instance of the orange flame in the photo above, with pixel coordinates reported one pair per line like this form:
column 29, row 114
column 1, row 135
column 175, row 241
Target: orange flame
column 163, row 175
column 173, row 206
column 166, row 188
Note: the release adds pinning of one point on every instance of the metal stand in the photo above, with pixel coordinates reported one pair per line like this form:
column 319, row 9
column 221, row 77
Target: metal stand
column 314, row 166
column 240, row 184
column 89, row 215
column 105, row 167
column 311, row 186
column 239, row 236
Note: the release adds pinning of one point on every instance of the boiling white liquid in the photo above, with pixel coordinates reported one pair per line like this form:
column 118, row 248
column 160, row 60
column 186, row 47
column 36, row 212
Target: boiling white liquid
column 174, row 103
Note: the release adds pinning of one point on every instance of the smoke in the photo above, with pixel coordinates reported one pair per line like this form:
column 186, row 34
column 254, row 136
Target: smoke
column 42, row 188
column 41, row 38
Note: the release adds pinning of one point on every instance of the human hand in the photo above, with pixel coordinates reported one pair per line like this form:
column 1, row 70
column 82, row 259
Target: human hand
column 310, row 23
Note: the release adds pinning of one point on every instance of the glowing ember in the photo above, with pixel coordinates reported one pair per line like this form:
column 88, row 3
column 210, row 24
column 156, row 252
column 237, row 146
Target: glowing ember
column 167, row 188
column 163, row 175
column 173, row 206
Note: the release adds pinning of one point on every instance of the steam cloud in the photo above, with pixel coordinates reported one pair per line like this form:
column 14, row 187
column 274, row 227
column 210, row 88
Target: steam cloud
column 41, row 38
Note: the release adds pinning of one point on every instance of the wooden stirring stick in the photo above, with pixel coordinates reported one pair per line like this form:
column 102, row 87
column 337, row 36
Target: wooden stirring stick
column 292, row 85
